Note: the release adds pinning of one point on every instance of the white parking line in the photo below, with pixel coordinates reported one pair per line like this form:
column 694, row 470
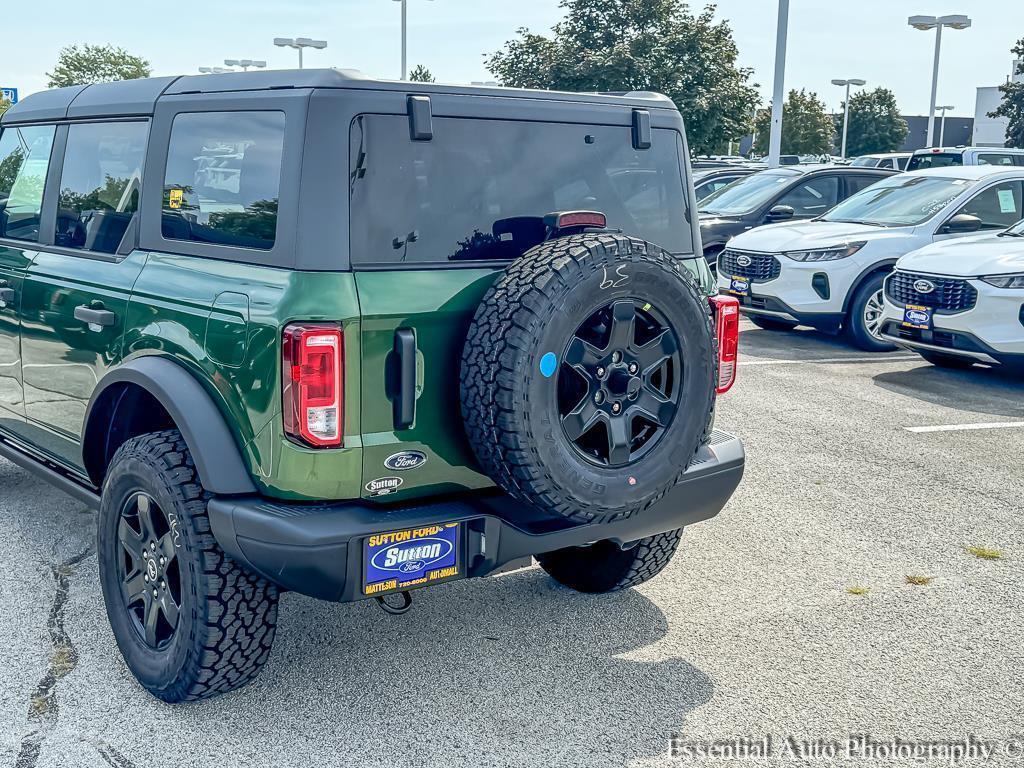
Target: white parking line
column 874, row 359
column 965, row 427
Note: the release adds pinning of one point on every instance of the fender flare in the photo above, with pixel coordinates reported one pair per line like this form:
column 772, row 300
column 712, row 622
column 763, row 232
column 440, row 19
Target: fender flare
column 214, row 450
column 860, row 279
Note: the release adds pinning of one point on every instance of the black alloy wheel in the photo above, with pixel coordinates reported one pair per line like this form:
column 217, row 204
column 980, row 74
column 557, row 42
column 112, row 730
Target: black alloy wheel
column 618, row 385
column 148, row 569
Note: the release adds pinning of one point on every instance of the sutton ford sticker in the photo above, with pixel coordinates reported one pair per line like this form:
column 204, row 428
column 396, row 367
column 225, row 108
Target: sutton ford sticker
column 412, row 556
column 399, row 462
column 383, row 486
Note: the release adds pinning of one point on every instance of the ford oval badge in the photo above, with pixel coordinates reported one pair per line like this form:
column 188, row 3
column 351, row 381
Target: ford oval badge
column 924, row 286
column 399, row 462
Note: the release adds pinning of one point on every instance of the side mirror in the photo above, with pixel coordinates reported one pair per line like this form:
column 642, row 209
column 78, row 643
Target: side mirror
column 784, row 212
column 962, row 223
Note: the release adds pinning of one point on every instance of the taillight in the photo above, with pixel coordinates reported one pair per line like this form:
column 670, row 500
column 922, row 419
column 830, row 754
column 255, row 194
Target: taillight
column 727, row 328
column 312, row 382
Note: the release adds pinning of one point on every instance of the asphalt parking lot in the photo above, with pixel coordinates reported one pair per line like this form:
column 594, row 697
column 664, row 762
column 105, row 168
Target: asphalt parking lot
column 751, row 631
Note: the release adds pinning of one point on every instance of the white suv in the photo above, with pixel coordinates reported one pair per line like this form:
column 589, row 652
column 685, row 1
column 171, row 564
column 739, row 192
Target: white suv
column 828, row 272
column 961, row 302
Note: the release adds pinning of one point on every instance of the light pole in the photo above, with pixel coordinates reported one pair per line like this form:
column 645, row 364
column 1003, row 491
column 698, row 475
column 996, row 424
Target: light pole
column 405, row 39
column 846, row 107
column 775, row 137
column 955, row 21
column 245, row 63
column 299, row 43
column 942, row 122
column 214, row 70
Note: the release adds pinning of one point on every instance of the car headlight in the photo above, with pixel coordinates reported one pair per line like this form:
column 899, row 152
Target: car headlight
column 826, row 254
column 1005, row 281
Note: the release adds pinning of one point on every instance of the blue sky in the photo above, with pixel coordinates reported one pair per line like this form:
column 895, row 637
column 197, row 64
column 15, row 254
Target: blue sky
column 845, row 38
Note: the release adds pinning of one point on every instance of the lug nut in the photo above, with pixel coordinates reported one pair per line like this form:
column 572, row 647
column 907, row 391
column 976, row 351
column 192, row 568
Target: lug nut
column 616, row 407
column 145, row 577
column 152, row 545
column 599, row 397
column 162, row 561
column 155, row 593
column 633, row 367
column 616, row 356
column 600, row 372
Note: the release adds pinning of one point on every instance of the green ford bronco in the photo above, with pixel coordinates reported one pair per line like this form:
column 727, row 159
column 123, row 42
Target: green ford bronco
column 310, row 331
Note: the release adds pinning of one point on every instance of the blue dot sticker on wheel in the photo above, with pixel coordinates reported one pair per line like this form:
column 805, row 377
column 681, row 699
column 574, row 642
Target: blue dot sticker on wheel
column 548, row 365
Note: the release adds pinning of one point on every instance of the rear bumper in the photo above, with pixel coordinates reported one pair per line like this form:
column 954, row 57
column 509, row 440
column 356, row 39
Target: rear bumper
column 316, row 549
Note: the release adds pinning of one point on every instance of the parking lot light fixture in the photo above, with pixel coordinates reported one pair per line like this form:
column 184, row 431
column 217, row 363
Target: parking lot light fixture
column 298, row 43
column 775, row 135
column 214, row 70
column 405, row 38
column 926, row 23
column 846, row 106
column 245, row 63
column 942, row 121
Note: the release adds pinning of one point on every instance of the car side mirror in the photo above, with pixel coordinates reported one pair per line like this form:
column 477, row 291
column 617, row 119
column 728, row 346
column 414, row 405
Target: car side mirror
column 784, row 212
column 962, row 223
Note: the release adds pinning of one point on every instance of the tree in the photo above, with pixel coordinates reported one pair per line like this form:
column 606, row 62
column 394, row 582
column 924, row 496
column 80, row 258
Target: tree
column 1012, row 106
column 4, row 105
column 421, row 75
column 640, row 45
column 82, row 65
column 875, row 123
column 806, row 127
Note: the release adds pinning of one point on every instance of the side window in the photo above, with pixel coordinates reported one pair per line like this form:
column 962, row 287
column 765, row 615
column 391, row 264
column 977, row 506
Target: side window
column 99, row 184
column 855, row 183
column 24, row 160
column 813, row 197
column 997, row 207
column 223, row 178
column 995, row 158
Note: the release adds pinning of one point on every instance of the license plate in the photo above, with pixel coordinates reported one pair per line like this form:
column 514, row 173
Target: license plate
column 915, row 316
column 740, row 285
column 411, row 558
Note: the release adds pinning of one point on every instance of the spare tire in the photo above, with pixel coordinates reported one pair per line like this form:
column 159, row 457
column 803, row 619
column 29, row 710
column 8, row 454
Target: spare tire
column 588, row 376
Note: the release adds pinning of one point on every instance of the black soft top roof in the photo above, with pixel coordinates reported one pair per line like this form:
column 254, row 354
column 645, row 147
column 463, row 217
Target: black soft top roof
column 138, row 97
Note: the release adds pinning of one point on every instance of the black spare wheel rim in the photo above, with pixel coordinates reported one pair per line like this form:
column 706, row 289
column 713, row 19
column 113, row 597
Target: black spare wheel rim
column 618, row 383
column 148, row 570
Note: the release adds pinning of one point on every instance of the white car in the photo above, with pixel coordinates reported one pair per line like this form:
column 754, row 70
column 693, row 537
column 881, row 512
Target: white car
column 827, row 273
column 961, row 302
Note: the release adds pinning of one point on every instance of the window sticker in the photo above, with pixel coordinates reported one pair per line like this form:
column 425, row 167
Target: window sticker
column 1006, row 202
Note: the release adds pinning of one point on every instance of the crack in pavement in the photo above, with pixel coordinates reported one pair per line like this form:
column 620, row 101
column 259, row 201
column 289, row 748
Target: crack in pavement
column 42, row 708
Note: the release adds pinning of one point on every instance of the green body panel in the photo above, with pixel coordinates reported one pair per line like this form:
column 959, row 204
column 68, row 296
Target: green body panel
column 222, row 321
column 62, row 358
column 438, row 305
column 13, row 263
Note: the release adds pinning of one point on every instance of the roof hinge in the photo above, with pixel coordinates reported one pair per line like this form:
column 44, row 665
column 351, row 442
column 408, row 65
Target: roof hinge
column 421, row 125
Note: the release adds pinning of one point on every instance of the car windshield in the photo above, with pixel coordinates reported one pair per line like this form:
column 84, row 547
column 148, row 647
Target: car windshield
column 899, row 201
column 1017, row 230
column 749, row 193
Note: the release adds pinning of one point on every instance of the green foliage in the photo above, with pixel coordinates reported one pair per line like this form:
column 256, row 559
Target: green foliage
column 9, row 168
column 1012, row 106
column 82, row 65
column 875, row 123
column 421, row 74
column 807, row 128
column 4, row 105
column 640, row 45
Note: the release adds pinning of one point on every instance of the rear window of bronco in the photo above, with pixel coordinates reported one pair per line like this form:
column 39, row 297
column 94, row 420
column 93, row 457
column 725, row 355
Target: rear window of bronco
column 478, row 190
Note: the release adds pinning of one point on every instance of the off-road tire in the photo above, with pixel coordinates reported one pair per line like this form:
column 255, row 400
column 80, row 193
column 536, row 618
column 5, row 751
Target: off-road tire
column 947, row 361
column 854, row 325
column 771, row 323
column 605, row 567
column 228, row 615
column 534, row 307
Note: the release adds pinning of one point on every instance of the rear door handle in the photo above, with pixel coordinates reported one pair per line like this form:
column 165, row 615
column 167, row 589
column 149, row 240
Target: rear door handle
column 405, row 397
column 6, row 294
column 95, row 317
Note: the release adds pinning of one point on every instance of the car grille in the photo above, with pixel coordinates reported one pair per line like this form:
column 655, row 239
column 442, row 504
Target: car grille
column 762, row 267
column 950, row 295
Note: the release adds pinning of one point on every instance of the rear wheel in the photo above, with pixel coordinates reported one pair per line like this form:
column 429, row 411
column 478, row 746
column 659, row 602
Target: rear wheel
column 606, row 567
column 863, row 323
column 948, row 361
column 771, row 323
column 189, row 622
